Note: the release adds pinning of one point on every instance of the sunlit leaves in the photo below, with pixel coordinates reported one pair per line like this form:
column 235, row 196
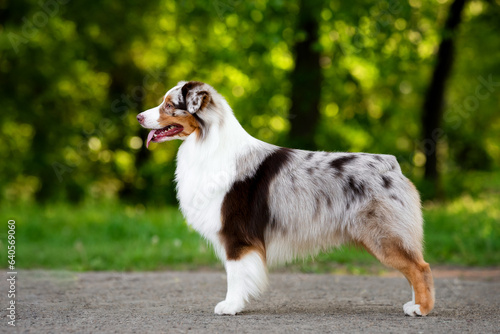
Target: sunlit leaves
column 71, row 90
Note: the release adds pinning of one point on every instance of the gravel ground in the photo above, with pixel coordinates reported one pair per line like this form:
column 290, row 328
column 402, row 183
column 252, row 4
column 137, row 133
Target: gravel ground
column 181, row 302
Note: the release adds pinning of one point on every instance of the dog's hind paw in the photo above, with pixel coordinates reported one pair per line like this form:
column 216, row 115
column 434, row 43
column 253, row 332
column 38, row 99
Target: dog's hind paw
column 228, row 307
column 412, row 309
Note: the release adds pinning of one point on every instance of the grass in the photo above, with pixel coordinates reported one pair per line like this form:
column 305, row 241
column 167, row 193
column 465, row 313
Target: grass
column 104, row 237
column 465, row 231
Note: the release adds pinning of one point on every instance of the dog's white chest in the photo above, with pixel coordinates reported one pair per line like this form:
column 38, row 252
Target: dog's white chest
column 202, row 183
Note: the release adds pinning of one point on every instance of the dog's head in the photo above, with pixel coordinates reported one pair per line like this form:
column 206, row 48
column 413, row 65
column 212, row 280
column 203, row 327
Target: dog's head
column 187, row 109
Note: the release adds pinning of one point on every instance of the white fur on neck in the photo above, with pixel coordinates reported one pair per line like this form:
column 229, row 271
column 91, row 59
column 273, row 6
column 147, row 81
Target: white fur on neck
column 206, row 169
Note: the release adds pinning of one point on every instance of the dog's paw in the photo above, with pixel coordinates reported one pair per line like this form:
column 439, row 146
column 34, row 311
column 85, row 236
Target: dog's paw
column 412, row 309
column 228, row 307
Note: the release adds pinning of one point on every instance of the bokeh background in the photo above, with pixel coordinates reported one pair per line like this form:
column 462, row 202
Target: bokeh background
column 418, row 79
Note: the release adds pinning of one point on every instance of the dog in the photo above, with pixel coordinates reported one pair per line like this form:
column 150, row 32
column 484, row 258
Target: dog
column 259, row 204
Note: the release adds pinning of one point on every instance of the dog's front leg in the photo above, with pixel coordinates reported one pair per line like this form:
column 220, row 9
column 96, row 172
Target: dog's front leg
column 246, row 277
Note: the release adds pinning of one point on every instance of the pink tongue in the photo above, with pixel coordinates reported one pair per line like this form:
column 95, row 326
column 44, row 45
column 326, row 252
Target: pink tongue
column 150, row 136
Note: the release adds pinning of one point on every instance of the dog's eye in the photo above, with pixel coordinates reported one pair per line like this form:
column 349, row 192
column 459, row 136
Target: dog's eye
column 169, row 105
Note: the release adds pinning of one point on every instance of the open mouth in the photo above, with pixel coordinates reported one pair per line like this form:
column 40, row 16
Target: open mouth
column 157, row 136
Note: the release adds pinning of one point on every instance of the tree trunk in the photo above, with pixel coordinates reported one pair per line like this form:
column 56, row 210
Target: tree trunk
column 306, row 79
column 434, row 99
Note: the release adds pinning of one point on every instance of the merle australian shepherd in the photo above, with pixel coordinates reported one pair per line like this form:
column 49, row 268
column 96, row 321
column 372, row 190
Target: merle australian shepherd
column 259, row 204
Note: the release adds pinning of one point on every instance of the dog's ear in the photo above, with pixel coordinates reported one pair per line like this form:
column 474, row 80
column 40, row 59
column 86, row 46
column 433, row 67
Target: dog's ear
column 195, row 97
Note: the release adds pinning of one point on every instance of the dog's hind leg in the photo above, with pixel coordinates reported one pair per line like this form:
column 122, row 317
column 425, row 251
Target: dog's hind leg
column 246, row 278
column 390, row 252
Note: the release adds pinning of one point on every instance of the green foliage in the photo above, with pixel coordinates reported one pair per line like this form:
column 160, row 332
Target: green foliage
column 74, row 74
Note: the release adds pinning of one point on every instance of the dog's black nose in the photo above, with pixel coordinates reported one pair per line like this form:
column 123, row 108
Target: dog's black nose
column 140, row 118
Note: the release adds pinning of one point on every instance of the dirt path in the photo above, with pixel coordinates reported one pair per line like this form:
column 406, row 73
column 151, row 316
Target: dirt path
column 180, row 302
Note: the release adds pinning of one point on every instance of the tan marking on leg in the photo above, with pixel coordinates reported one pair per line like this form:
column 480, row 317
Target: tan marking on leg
column 413, row 267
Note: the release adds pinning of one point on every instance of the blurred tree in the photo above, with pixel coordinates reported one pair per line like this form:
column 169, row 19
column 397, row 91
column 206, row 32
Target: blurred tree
column 306, row 77
column 434, row 100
